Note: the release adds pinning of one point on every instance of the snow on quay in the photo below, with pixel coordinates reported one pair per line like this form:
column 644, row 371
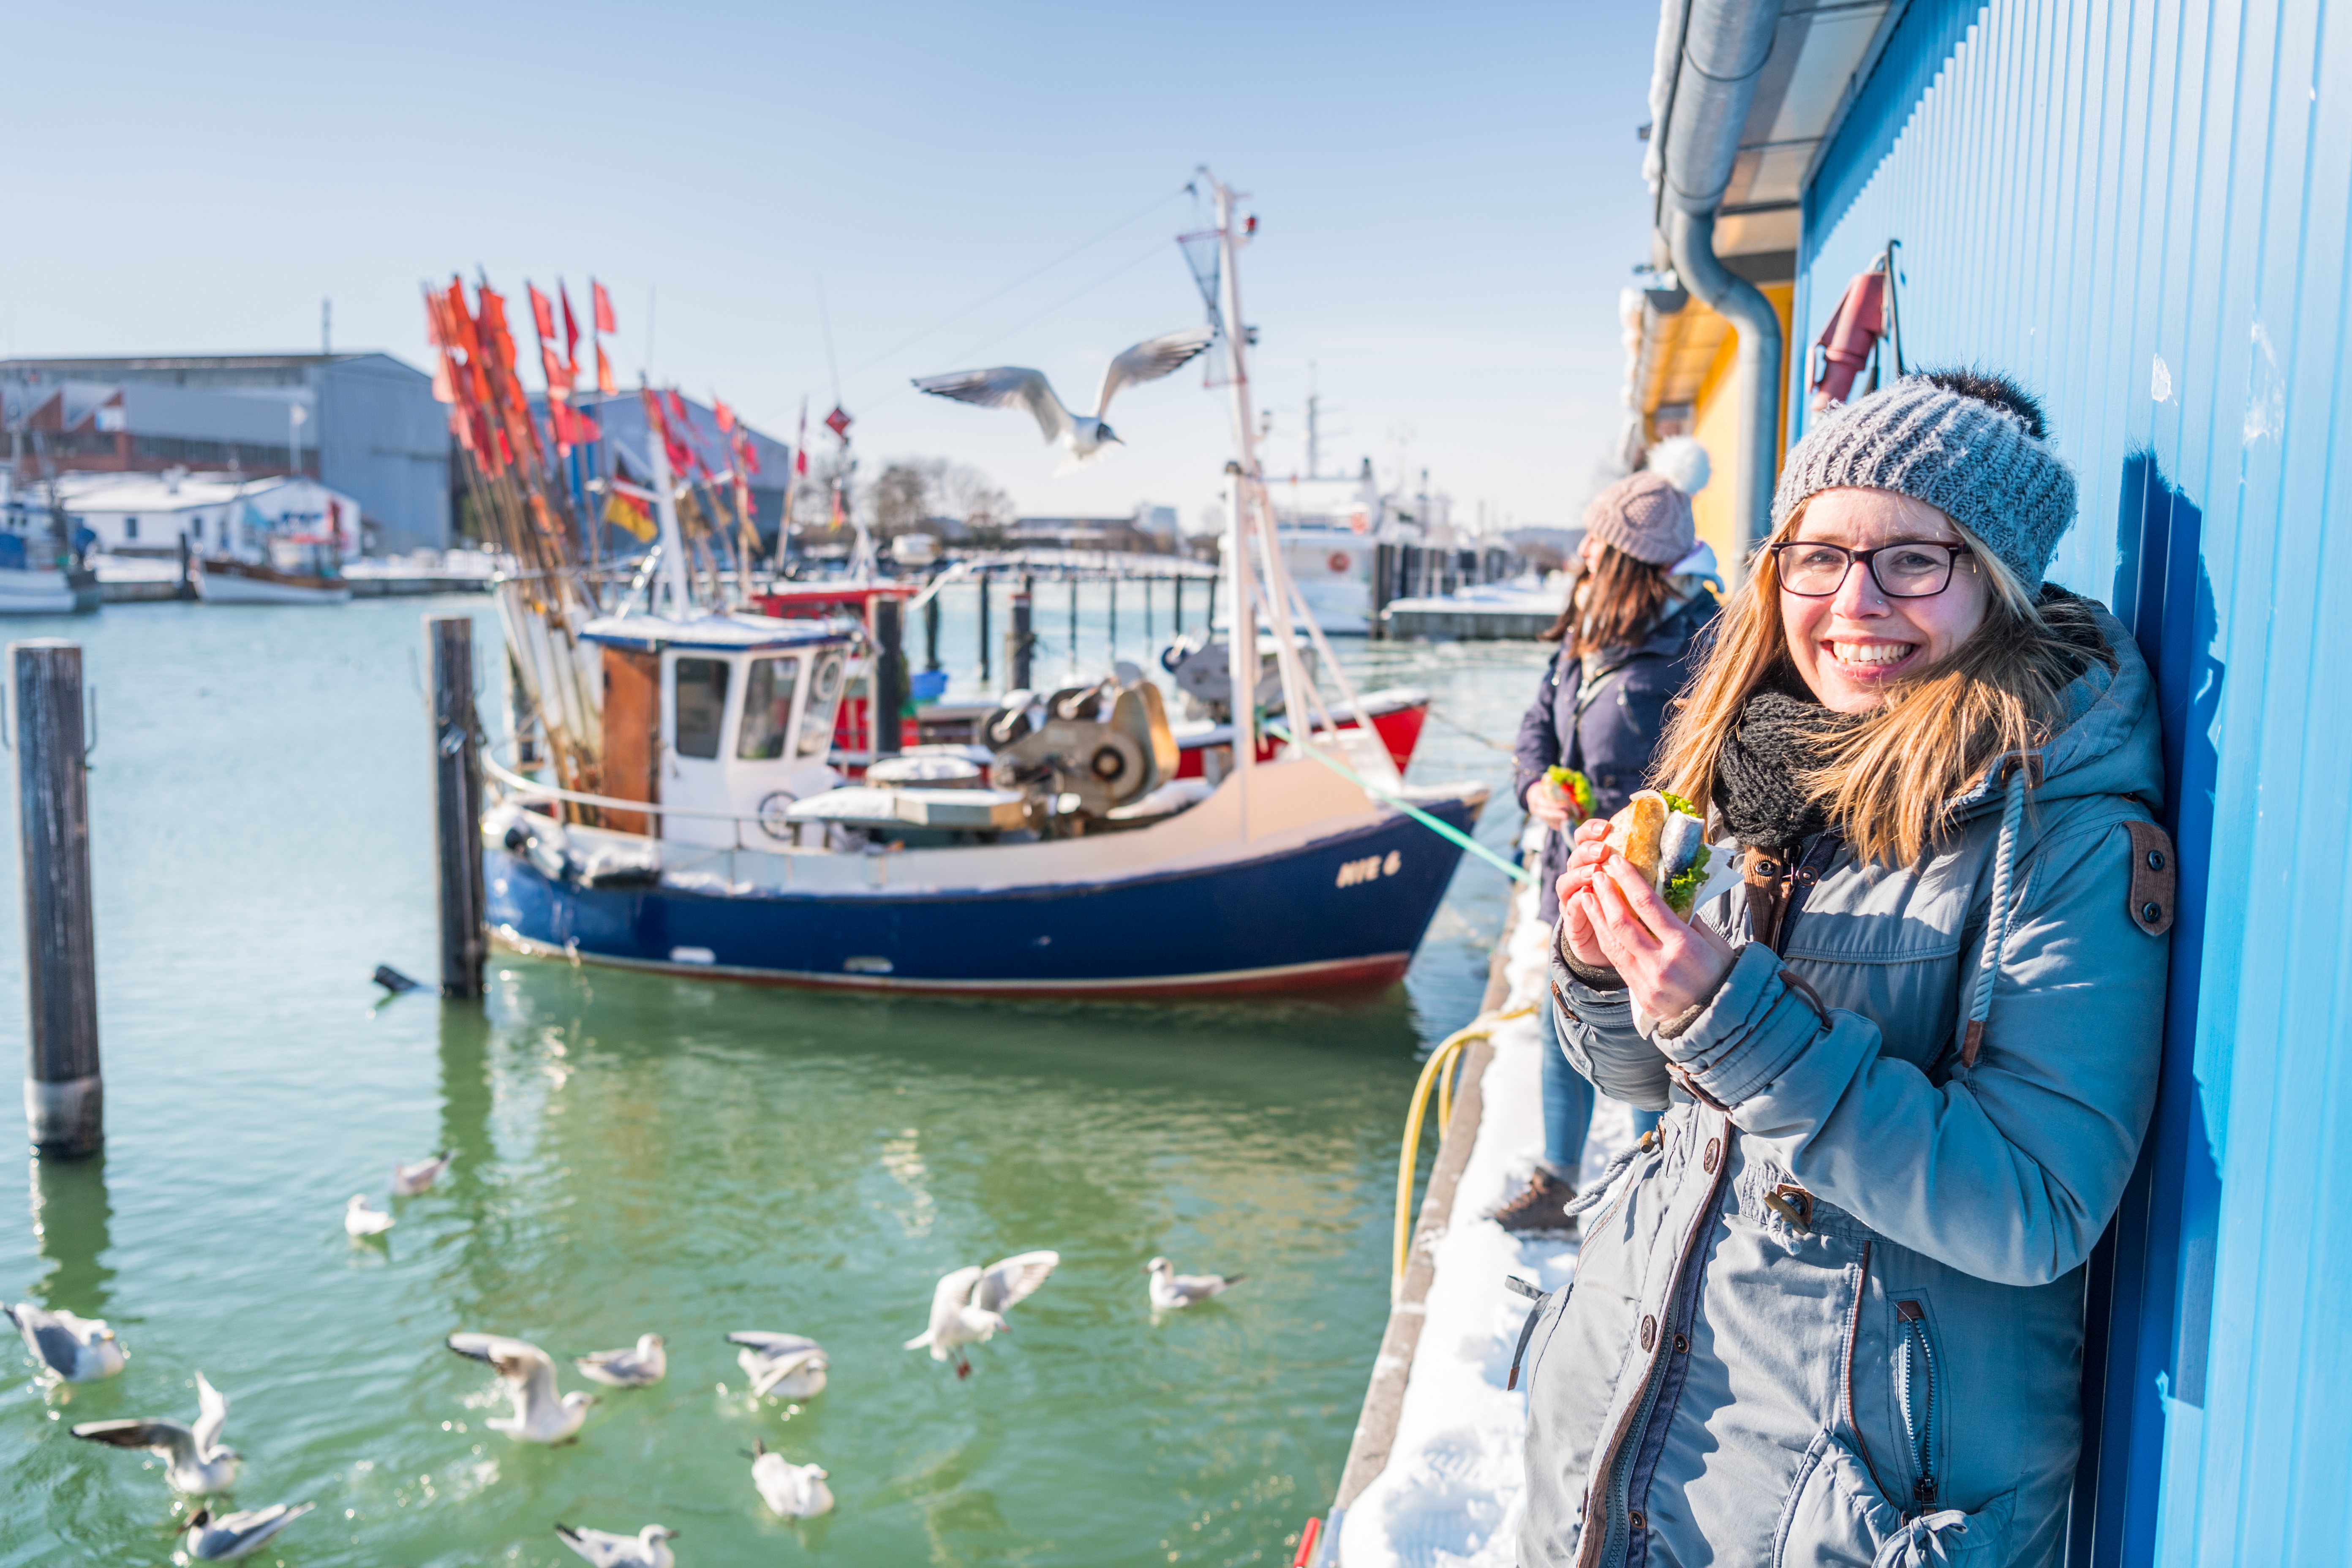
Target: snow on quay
column 1452, row 1490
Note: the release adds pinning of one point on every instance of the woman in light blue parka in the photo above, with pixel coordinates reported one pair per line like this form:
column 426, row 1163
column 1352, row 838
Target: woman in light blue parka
column 1833, row 1311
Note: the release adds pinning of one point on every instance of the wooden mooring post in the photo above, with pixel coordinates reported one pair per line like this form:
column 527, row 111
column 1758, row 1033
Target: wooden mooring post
column 1019, row 643
column 65, row 1095
column 457, row 805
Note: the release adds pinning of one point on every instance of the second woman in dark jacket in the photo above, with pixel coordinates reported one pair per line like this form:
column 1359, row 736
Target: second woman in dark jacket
column 1627, row 639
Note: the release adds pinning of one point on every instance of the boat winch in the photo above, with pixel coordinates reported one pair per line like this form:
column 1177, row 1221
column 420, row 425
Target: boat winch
column 1088, row 749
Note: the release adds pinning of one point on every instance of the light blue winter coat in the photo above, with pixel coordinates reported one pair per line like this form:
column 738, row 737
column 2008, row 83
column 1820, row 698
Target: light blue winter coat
column 1836, row 1316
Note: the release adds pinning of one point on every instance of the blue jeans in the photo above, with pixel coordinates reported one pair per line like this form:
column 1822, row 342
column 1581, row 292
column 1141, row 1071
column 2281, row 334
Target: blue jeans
column 1568, row 1098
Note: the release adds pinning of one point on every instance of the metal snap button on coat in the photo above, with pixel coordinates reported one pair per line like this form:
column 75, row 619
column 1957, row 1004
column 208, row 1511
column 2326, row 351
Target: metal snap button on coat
column 1649, row 1332
column 1640, row 1520
column 1682, row 1344
column 1714, row 1152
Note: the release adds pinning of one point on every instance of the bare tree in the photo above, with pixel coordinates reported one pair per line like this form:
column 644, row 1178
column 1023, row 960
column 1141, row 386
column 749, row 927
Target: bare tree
column 900, row 502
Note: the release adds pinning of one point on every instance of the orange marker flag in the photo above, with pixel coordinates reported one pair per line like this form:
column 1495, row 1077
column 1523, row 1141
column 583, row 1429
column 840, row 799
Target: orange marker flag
column 605, row 383
column 726, row 416
column 603, row 308
column 542, row 313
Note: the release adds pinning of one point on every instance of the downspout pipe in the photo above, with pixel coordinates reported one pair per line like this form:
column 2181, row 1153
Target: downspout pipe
column 1725, row 45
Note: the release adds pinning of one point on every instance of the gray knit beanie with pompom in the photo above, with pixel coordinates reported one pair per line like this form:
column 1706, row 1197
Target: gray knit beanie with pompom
column 1969, row 444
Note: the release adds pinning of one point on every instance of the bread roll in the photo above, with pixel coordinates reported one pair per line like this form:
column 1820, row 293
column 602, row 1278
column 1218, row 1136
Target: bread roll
column 1633, row 833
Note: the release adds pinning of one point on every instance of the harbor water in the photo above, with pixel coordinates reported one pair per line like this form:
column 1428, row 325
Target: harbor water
column 639, row 1153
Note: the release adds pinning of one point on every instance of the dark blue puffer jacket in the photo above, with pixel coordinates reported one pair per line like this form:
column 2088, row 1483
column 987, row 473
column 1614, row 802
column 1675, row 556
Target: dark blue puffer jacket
column 1601, row 715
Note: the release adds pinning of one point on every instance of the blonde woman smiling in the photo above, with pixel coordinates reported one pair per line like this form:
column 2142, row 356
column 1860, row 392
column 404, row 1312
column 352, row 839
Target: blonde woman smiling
column 1833, row 1312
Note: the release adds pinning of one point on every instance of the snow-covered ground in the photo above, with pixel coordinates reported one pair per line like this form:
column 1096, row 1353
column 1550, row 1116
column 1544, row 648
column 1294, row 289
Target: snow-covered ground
column 1454, row 1487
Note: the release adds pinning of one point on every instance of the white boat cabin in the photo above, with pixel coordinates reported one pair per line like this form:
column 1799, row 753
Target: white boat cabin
column 730, row 714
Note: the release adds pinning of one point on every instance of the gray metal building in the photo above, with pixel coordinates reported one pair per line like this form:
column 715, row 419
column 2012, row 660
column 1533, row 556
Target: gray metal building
column 370, row 426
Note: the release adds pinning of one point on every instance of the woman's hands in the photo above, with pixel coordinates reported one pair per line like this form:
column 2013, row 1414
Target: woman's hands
column 1611, row 918
column 1547, row 804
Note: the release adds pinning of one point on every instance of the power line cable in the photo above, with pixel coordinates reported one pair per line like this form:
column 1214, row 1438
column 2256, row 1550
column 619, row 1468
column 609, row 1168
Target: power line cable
column 1039, row 270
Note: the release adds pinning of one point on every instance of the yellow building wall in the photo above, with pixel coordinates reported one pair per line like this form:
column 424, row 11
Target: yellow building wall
column 1715, row 421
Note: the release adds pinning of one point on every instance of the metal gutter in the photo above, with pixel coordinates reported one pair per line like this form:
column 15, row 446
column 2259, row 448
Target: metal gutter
column 1725, row 45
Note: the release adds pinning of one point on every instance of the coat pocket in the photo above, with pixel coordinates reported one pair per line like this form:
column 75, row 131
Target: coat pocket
column 1836, row 1518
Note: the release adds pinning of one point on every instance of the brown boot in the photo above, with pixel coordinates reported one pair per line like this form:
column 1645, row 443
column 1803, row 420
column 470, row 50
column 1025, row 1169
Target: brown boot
column 1541, row 1210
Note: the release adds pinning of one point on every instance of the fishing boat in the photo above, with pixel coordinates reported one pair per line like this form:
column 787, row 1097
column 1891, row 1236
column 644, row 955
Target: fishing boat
column 301, row 569
column 40, row 574
column 1061, row 849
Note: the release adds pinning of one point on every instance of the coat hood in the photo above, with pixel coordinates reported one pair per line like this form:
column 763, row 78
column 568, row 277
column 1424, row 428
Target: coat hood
column 2113, row 743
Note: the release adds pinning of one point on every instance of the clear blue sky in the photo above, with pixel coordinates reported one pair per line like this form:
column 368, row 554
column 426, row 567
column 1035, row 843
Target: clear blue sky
column 1449, row 198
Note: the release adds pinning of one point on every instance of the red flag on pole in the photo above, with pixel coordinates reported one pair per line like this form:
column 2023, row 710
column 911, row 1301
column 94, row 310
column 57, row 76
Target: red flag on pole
column 603, row 303
column 838, row 422
column 726, row 416
column 571, row 325
column 799, row 442
column 542, row 314
column 605, row 383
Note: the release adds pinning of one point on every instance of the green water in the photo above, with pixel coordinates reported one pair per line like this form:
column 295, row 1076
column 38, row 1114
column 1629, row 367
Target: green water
column 637, row 1153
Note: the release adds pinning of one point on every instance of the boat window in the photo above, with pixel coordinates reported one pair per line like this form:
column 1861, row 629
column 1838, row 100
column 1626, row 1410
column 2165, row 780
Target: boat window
column 766, row 708
column 699, row 701
column 825, row 690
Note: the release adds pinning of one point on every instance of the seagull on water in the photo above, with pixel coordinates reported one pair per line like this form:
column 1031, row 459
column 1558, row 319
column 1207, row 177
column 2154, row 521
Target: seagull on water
column 794, row 1492
column 199, row 1463
column 539, row 1415
column 80, row 1349
column 968, row 1306
column 1082, row 437
column 1171, row 1290
column 790, row 1366
column 233, row 1535
column 360, row 1221
column 639, row 1368
column 408, row 1181
column 649, row 1548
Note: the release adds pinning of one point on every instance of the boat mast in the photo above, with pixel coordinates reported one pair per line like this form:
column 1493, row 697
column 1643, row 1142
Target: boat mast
column 1241, row 640
column 669, row 541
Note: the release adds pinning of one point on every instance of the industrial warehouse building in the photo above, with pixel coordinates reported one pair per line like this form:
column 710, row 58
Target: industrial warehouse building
column 363, row 425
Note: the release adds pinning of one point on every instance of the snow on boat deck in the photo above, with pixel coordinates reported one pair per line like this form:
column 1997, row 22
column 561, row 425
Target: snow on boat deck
column 1454, row 1486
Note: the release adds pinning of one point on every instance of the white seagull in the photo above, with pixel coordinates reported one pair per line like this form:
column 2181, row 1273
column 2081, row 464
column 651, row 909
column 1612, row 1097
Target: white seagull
column 1082, row 437
column 360, row 1221
column 408, row 1181
column 793, row 1491
column 1171, row 1290
column 790, row 1366
column 539, row 1417
column 649, row 1548
column 199, row 1463
column 232, row 1535
column 80, row 1349
column 639, row 1368
column 970, row 1304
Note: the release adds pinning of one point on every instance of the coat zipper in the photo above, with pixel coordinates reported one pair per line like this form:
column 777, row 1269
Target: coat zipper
column 1915, row 1378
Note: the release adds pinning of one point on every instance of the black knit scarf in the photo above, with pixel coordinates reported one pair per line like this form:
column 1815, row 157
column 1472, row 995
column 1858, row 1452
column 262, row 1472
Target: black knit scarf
column 1756, row 774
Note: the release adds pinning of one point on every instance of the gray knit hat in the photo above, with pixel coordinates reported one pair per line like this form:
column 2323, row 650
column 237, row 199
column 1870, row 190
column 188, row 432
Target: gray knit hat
column 1645, row 516
column 1967, row 444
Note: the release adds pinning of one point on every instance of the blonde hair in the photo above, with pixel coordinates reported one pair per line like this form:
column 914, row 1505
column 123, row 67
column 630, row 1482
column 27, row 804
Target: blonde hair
column 1887, row 782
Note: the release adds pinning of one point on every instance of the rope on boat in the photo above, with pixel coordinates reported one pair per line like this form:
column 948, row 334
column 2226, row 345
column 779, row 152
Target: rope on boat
column 1444, row 830
column 1437, row 1070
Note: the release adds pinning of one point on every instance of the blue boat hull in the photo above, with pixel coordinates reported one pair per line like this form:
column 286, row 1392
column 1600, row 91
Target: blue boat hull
column 1348, row 909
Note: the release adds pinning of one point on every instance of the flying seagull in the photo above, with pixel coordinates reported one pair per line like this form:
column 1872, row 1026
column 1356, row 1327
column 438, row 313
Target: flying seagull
column 1082, row 437
column 1171, row 1290
column 233, row 1535
column 539, row 1415
column 649, row 1548
column 790, row 1366
column 408, row 1181
column 80, row 1349
column 639, row 1368
column 198, row 1464
column 794, row 1492
column 970, row 1304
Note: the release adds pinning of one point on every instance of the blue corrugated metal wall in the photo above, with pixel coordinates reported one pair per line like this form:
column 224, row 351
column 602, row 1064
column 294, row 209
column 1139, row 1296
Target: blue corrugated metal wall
column 2140, row 210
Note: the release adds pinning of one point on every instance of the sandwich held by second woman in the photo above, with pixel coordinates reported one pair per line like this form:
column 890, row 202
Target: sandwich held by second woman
column 1833, row 1311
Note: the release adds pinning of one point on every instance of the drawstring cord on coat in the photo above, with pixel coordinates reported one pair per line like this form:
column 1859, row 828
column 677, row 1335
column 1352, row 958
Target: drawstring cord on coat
column 1920, row 1544
column 1590, row 1198
column 1996, row 918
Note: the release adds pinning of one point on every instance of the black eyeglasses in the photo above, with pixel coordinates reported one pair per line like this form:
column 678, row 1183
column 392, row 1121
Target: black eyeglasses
column 1907, row 569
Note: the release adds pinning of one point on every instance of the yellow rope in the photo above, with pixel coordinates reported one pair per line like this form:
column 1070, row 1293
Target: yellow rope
column 1436, row 1070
